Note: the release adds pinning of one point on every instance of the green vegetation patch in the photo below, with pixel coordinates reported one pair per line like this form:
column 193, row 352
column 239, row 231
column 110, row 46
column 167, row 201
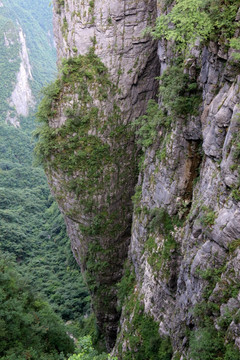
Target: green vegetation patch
column 165, row 225
column 86, row 351
column 212, row 337
column 127, row 283
column 179, row 96
column 192, row 20
column 207, row 342
column 235, row 44
column 235, row 244
column 213, row 276
column 29, row 328
column 140, row 331
column 208, row 218
column 60, row 2
column 142, row 337
column 179, row 93
column 147, row 125
column 70, row 148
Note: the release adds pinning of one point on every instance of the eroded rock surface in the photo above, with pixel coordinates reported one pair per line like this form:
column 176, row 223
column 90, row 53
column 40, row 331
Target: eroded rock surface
column 115, row 69
column 197, row 180
column 21, row 99
column 184, row 241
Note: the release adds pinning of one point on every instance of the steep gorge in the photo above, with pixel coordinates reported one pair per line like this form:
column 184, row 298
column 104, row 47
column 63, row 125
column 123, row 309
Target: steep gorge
column 182, row 277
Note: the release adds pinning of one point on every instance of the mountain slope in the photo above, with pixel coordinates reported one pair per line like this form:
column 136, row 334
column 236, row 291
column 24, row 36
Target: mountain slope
column 32, row 228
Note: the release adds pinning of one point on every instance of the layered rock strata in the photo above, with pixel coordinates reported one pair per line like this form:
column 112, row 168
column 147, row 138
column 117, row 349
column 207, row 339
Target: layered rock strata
column 188, row 270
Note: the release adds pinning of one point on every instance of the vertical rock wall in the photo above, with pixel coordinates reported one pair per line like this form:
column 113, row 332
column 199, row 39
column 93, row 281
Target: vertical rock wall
column 189, row 269
column 22, row 98
column 106, row 82
column 184, row 245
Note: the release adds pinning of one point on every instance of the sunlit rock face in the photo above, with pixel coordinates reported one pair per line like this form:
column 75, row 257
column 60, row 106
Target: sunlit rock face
column 16, row 57
column 116, row 69
column 22, row 97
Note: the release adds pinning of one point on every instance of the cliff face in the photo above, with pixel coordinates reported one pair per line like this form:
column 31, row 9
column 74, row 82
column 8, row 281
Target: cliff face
column 26, row 43
column 184, row 242
column 91, row 164
column 190, row 269
column 186, row 224
column 22, row 98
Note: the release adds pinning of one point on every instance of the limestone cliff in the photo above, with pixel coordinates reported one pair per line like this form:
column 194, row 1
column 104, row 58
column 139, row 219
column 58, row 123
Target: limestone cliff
column 26, row 43
column 186, row 224
column 21, row 99
column 180, row 290
column 106, row 80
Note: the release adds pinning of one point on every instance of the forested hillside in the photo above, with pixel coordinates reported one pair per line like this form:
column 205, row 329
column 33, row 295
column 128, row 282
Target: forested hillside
column 31, row 226
column 35, row 19
column 29, row 327
column 32, row 230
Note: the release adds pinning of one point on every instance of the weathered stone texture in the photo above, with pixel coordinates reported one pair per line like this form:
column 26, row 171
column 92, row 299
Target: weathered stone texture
column 114, row 30
column 191, row 171
column 171, row 292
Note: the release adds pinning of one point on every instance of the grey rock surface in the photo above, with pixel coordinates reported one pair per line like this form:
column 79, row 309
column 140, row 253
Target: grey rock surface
column 190, row 172
column 204, row 198
column 114, row 30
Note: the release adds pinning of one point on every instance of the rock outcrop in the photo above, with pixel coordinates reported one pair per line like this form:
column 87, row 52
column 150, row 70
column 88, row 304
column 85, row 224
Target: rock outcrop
column 107, row 79
column 21, row 99
column 184, row 242
column 187, row 270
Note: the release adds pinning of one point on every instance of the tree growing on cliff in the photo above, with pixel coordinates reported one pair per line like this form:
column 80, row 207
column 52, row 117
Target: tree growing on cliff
column 190, row 21
column 85, row 351
column 184, row 24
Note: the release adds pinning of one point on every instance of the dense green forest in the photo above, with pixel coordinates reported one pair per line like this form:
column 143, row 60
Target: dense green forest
column 29, row 327
column 37, row 266
column 32, row 229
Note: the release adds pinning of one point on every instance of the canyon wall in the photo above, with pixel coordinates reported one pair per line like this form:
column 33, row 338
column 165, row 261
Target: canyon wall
column 186, row 225
column 107, row 78
column 181, row 280
column 184, row 247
